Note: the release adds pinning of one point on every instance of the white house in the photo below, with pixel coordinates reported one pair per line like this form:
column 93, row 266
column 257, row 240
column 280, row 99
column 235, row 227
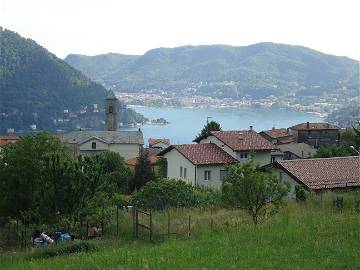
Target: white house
column 241, row 144
column 319, row 174
column 197, row 164
column 127, row 143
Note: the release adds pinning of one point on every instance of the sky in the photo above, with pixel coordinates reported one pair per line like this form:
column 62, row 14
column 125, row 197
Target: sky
column 136, row 26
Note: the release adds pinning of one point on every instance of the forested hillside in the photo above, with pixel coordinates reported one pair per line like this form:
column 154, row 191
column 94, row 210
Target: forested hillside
column 36, row 87
column 258, row 70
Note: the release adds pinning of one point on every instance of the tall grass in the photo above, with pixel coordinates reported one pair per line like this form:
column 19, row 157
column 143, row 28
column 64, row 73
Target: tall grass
column 310, row 235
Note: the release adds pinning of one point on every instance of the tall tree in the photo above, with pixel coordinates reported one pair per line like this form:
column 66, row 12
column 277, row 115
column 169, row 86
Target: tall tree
column 257, row 192
column 210, row 126
column 143, row 170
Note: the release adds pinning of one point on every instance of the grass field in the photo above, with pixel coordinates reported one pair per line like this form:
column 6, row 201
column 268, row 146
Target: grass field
column 311, row 236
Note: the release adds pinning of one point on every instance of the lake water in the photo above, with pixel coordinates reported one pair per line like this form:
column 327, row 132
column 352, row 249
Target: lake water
column 186, row 123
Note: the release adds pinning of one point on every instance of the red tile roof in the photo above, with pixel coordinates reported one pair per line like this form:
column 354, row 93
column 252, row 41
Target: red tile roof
column 324, row 173
column 153, row 141
column 202, row 154
column 243, row 140
column 134, row 161
column 306, row 126
column 277, row 132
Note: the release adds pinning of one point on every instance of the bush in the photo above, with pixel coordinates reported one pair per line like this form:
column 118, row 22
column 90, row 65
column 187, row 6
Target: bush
column 206, row 197
column 301, row 193
column 165, row 193
column 63, row 249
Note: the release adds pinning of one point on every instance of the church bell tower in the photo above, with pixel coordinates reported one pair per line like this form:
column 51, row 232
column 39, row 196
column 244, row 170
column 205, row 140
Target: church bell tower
column 111, row 108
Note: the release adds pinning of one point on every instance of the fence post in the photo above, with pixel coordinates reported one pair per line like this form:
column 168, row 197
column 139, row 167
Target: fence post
column 136, row 223
column 189, row 225
column 151, row 226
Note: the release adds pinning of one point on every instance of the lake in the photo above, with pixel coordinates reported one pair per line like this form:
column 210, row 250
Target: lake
column 186, row 123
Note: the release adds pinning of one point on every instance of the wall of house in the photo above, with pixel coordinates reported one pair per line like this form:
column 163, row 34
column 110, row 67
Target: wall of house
column 215, row 181
column 318, row 137
column 287, row 179
column 87, row 146
column 262, row 157
column 227, row 149
column 174, row 161
column 127, row 151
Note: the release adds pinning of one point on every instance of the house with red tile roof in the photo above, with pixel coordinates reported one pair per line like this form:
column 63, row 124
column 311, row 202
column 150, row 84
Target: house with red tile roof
column 320, row 174
column 241, row 144
column 198, row 164
column 278, row 135
column 316, row 134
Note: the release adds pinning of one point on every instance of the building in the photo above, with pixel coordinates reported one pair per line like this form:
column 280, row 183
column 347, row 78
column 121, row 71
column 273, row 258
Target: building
column 297, row 150
column 278, row 135
column 127, row 143
column 241, row 145
column 111, row 108
column 159, row 143
column 316, row 134
column 198, row 164
column 320, row 174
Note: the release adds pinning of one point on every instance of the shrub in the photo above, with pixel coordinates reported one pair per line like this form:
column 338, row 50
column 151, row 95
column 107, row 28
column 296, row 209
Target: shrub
column 206, row 197
column 301, row 194
column 63, row 249
column 165, row 193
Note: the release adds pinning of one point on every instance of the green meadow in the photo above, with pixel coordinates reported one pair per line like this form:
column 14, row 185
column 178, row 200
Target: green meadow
column 311, row 235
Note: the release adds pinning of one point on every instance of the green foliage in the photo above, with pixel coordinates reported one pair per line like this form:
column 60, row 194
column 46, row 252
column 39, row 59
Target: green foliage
column 63, row 249
column 41, row 184
column 259, row 193
column 36, row 86
column 300, row 193
column 144, row 171
column 162, row 164
column 333, row 150
column 211, row 126
column 165, row 193
column 207, row 197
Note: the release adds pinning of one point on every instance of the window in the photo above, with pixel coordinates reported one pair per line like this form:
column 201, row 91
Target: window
column 207, row 175
column 111, row 109
column 185, row 172
column 93, row 145
column 223, row 174
column 244, row 155
column 181, row 171
column 273, row 159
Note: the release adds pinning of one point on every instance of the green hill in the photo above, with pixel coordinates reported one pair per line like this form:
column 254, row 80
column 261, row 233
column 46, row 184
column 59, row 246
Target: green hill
column 36, row 87
column 258, row 70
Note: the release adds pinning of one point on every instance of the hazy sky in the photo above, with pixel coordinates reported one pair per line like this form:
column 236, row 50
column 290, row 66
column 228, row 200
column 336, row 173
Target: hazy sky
column 135, row 26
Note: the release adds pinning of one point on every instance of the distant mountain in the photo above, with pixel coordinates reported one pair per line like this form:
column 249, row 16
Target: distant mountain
column 258, row 70
column 36, row 86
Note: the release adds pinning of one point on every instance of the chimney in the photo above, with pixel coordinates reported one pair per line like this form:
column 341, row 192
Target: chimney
column 307, row 125
column 251, row 127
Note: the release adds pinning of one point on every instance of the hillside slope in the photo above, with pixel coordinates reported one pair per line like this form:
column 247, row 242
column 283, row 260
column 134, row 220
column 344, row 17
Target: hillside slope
column 258, row 70
column 36, row 87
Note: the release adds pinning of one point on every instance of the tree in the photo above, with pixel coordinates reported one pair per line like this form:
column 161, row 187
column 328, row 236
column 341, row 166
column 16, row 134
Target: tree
column 210, row 126
column 333, row 150
column 22, row 172
column 162, row 165
column 257, row 192
column 143, row 170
